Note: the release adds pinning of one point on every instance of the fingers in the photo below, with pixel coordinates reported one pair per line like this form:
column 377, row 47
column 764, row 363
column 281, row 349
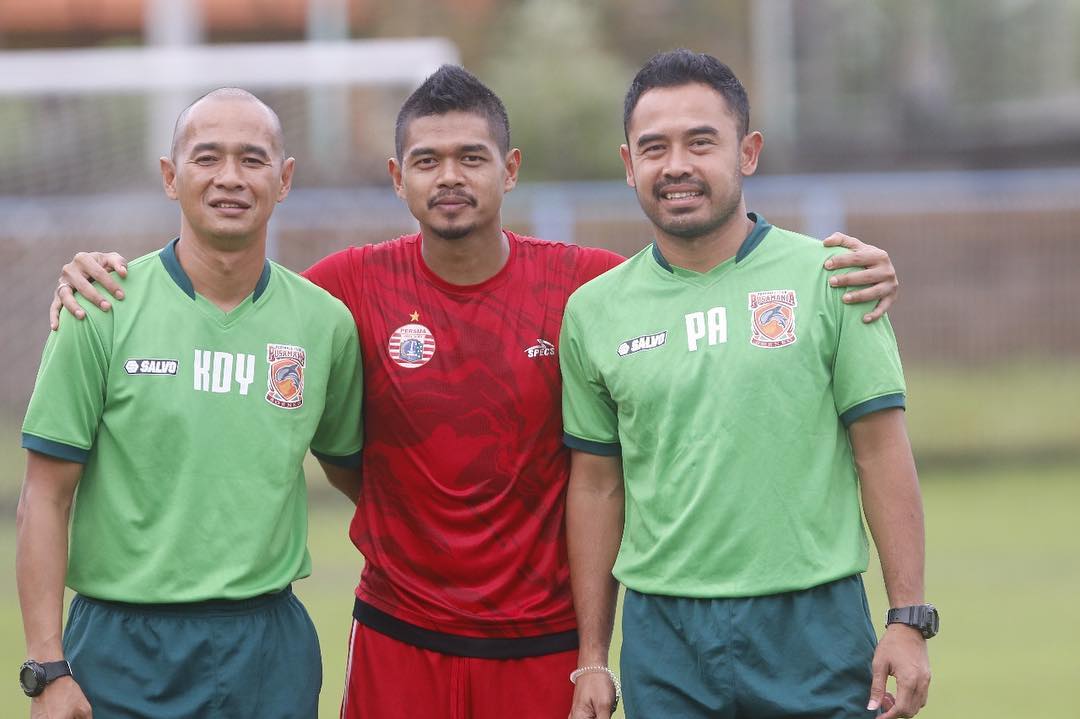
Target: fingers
column 89, row 267
column 881, row 308
column 54, row 311
column 877, row 685
column 839, row 239
column 862, row 277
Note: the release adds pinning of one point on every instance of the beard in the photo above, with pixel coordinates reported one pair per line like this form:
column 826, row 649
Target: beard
column 452, row 231
column 693, row 226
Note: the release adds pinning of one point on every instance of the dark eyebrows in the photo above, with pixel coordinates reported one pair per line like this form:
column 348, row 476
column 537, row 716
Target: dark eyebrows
column 462, row 149
column 245, row 149
column 204, row 147
column 255, row 150
column 693, row 131
column 703, row 130
column 649, row 138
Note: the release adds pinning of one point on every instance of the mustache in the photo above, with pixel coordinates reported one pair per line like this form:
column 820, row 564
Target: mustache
column 665, row 183
column 459, row 195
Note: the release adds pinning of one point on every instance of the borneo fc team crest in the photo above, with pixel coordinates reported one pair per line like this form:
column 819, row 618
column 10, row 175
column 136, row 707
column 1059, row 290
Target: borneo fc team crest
column 772, row 318
column 412, row 345
column 285, row 378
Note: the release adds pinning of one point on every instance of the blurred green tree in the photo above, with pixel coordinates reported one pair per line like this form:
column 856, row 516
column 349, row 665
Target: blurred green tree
column 563, row 89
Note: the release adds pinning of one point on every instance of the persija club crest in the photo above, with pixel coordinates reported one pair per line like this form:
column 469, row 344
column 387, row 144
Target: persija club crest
column 285, row 378
column 772, row 318
column 411, row 345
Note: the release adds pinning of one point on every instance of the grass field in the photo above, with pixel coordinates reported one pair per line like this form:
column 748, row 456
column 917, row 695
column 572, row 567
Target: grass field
column 1001, row 542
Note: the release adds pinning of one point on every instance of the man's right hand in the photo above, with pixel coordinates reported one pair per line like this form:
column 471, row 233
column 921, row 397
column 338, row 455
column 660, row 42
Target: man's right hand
column 62, row 699
column 79, row 275
column 593, row 697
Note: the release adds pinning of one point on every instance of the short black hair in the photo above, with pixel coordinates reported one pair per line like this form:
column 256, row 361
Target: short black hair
column 452, row 88
column 683, row 67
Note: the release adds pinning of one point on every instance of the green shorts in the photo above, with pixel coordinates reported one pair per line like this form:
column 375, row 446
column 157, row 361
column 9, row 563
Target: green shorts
column 255, row 658
column 797, row 654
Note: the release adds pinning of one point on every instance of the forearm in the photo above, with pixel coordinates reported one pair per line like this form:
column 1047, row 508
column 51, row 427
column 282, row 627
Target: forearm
column 41, row 559
column 892, row 503
column 594, row 525
column 346, row 480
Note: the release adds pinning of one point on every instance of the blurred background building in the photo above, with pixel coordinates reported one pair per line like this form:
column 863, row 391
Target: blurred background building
column 946, row 131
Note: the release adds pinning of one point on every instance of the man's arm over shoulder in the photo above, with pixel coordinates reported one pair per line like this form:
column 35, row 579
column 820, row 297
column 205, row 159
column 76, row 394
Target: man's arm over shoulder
column 874, row 273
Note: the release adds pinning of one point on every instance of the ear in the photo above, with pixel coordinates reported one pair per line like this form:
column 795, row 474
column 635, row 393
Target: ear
column 287, row 168
column 393, row 167
column 168, row 176
column 513, row 164
column 624, row 151
column 749, row 152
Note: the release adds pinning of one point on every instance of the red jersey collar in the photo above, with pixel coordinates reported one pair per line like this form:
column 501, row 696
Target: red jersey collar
column 487, row 284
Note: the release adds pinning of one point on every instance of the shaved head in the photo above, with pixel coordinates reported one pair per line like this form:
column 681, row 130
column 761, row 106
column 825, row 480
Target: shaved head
column 228, row 94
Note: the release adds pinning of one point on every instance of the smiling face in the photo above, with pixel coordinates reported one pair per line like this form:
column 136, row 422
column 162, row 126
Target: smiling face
column 686, row 158
column 227, row 170
column 452, row 174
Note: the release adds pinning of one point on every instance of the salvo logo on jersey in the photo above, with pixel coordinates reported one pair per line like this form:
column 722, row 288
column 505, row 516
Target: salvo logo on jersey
column 285, row 378
column 772, row 318
column 645, row 342
column 542, row 348
column 158, row 367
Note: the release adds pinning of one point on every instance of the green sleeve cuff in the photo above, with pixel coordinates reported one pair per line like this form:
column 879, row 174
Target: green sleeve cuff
column 58, row 450
column 604, row 449
column 876, row 404
column 349, row 461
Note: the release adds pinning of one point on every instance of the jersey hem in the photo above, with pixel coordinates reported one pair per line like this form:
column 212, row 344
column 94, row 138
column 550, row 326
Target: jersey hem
column 876, row 404
column 462, row 646
column 670, row 588
column 52, row 448
column 604, row 449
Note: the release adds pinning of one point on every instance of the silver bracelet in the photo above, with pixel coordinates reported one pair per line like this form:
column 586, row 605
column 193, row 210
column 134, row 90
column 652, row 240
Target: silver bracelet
column 574, row 675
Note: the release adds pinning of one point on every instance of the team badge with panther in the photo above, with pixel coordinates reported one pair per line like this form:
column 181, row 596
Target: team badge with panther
column 772, row 318
column 285, row 378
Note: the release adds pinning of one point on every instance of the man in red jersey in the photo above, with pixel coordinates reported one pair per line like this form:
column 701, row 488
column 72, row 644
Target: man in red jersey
column 464, row 606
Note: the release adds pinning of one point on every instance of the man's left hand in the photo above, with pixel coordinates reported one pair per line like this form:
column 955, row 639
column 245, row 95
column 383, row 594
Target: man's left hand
column 901, row 653
column 877, row 278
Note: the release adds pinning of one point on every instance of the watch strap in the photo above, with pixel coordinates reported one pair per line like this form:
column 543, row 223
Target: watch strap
column 923, row 617
column 55, row 670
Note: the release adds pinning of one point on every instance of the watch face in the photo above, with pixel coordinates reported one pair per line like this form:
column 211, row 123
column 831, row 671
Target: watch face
column 32, row 679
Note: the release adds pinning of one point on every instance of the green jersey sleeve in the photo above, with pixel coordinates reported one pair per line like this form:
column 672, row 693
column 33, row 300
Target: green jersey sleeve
column 590, row 418
column 69, row 394
column 867, row 375
column 339, row 436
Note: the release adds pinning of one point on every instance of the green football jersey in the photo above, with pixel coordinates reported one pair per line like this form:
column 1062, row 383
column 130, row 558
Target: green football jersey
column 727, row 394
column 193, row 424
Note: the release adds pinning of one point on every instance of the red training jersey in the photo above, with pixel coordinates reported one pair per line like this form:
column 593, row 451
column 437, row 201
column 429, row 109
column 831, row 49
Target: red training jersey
column 460, row 517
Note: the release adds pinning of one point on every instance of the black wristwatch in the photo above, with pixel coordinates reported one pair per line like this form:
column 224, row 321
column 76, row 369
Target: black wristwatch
column 34, row 677
column 923, row 617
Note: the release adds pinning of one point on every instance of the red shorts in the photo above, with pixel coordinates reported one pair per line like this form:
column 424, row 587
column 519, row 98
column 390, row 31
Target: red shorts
column 388, row 679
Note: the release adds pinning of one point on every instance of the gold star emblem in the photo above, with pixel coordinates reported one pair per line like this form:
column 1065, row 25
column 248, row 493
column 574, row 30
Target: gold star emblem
column 415, row 316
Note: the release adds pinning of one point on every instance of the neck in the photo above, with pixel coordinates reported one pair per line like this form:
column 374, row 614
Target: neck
column 468, row 260
column 701, row 254
column 223, row 276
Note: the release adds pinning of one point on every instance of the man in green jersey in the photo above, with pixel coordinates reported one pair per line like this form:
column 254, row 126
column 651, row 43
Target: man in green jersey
column 183, row 417
column 725, row 409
